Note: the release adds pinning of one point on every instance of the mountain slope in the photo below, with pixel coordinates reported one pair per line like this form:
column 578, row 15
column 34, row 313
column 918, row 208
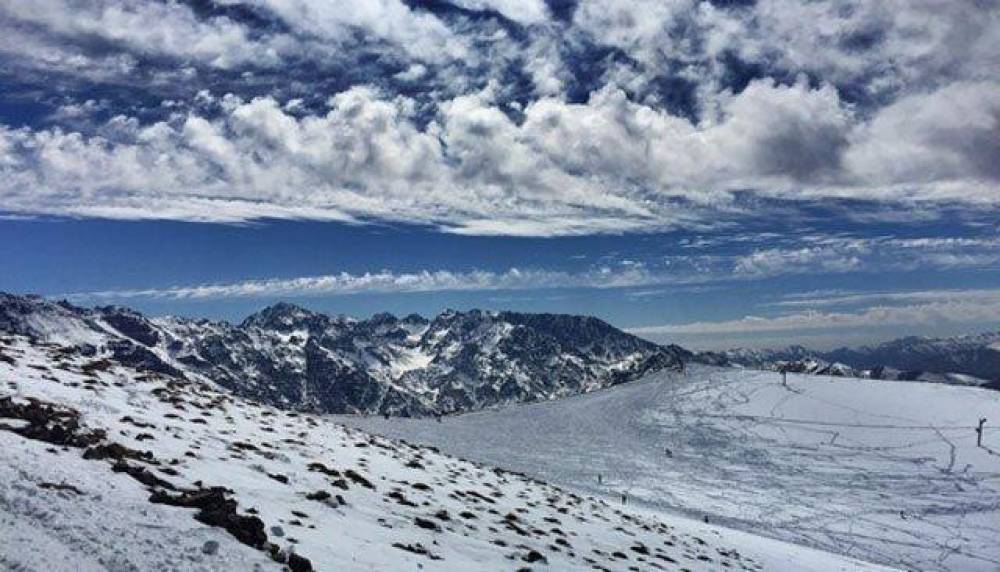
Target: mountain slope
column 291, row 357
column 886, row 472
column 106, row 467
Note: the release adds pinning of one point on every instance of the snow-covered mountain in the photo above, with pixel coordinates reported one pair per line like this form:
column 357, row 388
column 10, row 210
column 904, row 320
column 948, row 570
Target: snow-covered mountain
column 976, row 355
column 288, row 356
column 960, row 360
column 110, row 467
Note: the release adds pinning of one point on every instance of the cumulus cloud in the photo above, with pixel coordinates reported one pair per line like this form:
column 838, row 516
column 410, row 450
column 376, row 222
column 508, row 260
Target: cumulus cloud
column 420, row 34
column 950, row 134
column 605, row 165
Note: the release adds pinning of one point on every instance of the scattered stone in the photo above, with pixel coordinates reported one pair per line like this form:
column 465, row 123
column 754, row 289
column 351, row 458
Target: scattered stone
column 427, row 524
column 298, row 563
column 416, row 548
column 60, row 487
column 210, row 547
column 318, row 496
column 115, row 451
column 140, row 474
column 278, row 477
column 358, row 479
column 534, row 556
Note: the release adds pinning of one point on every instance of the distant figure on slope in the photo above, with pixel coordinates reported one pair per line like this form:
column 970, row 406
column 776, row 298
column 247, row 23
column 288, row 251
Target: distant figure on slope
column 668, row 453
column 600, row 479
column 979, row 432
column 624, row 498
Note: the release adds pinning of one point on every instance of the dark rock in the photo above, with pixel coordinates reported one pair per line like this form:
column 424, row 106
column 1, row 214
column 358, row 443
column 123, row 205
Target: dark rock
column 427, row 524
column 217, row 510
column 298, row 563
column 210, row 547
column 358, row 479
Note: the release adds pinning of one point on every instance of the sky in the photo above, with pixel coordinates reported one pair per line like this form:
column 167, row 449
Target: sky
column 710, row 173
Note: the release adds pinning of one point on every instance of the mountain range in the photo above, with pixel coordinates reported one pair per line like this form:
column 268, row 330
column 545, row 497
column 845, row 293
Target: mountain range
column 291, row 357
column 961, row 360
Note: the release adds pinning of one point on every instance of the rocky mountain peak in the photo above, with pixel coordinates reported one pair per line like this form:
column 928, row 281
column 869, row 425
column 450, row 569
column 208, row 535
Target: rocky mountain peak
column 285, row 317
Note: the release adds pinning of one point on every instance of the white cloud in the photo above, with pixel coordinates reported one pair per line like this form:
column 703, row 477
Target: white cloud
column 772, row 261
column 948, row 134
column 820, row 299
column 823, row 255
column 419, row 34
column 521, row 11
column 927, row 314
column 166, row 28
column 387, row 281
column 637, row 26
column 885, row 46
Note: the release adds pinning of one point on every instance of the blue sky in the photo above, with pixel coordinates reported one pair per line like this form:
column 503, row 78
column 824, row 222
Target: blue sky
column 711, row 173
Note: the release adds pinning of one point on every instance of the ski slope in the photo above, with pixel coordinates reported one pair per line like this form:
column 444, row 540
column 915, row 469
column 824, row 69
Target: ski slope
column 887, row 472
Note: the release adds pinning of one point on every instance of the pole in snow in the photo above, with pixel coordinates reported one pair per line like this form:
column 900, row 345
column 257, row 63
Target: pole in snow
column 979, row 432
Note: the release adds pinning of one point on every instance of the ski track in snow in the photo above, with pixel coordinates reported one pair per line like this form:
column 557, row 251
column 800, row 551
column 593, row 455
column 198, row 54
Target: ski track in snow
column 883, row 471
column 420, row 510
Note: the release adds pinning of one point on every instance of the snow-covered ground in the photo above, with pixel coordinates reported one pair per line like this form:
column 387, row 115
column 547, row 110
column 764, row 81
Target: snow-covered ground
column 884, row 471
column 339, row 497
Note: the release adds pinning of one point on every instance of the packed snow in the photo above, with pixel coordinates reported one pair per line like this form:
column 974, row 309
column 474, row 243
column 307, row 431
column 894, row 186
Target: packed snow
column 337, row 497
column 887, row 472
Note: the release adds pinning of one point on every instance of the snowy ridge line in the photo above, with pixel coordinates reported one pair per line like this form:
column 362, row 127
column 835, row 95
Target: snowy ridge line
column 340, row 498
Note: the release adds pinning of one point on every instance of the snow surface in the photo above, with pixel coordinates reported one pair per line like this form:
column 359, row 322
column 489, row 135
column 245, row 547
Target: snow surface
column 884, row 471
column 474, row 517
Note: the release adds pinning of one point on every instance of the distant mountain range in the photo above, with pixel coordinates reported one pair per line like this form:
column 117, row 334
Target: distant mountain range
column 962, row 360
column 291, row 357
